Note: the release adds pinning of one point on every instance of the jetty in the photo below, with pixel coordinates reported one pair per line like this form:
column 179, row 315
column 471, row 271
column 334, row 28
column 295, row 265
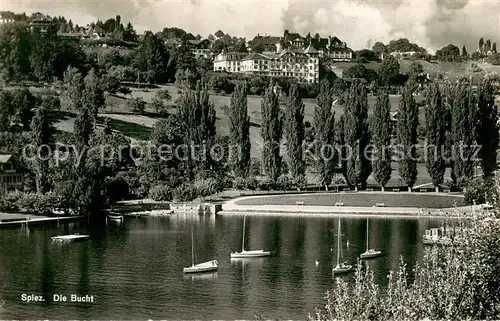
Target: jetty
column 7, row 220
column 70, row 238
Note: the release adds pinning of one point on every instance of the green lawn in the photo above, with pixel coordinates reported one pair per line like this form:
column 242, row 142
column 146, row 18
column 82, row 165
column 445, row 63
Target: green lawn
column 359, row 199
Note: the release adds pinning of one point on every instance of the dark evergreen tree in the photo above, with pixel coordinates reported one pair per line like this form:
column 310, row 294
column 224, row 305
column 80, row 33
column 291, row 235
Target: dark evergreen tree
column 42, row 133
column 487, row 127
column 407, row 137
column 239, row 130
column 464, row 51
column 93, row 95
column 435, row 126
column 381, row 132
column 294, row 132
column 271, row 133
column 356, row 134
column 324, row 140
column 462, row 131
column 196, row 115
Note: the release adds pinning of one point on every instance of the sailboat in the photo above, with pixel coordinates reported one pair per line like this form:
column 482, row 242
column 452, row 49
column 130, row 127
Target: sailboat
column 201, row 267
column 341, row 267
column 369, row 253
column 248, row 254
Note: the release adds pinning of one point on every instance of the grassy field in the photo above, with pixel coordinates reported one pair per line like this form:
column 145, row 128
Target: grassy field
column 360, row 199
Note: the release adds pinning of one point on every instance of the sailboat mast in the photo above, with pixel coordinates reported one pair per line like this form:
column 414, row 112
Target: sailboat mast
column 192, row 248
column 243, row 241
column 367, row 221
column 338, row 245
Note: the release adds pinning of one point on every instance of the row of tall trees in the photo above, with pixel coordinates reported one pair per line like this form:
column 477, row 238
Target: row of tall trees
column 457, row 118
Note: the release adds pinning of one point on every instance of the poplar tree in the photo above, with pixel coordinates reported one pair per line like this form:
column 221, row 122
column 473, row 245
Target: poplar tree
column 407, row 137
column 324, row 140
column 487, row 127
column 294, row 132
column 462, row 130
column 93, row 96
column 435, row 126
column 381, row 133
column 196, row 115
column 41, row 137
column 356, row 134
column 271, row 132
column 239, row 129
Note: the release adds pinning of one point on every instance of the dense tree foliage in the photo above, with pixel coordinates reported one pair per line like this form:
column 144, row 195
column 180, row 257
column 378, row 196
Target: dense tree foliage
column 487, row 130
column 356, row 134
column 324, row 138
column 239, row 130
column 381, row 129
column 294, row 132
column 271, row 133
column 407, row 137
column 435, row 130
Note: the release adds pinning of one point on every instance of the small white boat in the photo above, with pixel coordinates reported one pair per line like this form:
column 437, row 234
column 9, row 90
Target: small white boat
column 114, row 216
column 248, row 254
column 340, row 267
column 70, row 238
column 369, row 253
column 200, row 267
column 209, row 266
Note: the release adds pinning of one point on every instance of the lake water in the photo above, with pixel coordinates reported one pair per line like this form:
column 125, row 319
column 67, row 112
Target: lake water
column 134, row 269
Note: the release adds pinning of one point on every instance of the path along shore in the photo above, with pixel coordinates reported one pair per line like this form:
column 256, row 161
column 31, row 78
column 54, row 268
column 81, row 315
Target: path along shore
column 233, row 207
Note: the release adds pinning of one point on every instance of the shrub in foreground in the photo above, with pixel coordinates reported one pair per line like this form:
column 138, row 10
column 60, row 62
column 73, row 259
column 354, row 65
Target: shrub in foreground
column 461, row 283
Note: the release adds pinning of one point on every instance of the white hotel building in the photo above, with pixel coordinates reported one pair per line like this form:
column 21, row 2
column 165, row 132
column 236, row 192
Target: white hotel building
column 302, row 65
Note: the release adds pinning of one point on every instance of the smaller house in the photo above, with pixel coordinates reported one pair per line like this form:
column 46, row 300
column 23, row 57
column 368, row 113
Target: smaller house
column 7, row 17
column 200, row 48
column 172, row 43
column 11, row 173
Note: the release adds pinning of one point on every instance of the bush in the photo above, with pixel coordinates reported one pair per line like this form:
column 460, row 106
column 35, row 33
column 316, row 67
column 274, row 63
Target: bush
column 124, row 90
column 251, row 183
column 476, row 191
column 160, row 193
column 451, row 283
column 255, row 167
column 136, row 105
column 239, row 183
column 284, row 182
column 184, row 193
column 205, row 187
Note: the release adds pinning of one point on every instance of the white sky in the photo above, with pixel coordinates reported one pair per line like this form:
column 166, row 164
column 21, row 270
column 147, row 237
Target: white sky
column 430, row 23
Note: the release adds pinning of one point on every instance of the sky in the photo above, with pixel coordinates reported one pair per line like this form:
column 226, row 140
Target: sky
column 431, row 24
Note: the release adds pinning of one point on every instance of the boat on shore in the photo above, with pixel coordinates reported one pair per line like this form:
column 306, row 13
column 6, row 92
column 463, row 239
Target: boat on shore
column 251, row 253
column 341, row 267
column 369, row 253
column 209, row 266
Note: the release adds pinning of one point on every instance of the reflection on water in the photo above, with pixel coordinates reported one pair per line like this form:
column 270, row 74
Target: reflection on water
column 201, row 276
column 134, row 267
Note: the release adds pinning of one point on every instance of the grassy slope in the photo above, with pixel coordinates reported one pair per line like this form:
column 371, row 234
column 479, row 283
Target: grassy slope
column 138, row 127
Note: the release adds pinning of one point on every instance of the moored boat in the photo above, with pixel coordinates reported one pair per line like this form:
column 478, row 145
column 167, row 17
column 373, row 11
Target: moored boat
column 341, row 267
column 208, row 266
column 369, row 253
column 248, row 254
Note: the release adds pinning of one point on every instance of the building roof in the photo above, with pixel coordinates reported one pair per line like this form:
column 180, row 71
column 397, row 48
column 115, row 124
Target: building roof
column 4, row 158
column 219, row 33
column 69, row 34
column 266, row 40
column 310, row 50
column 253, row 56
column 172, row 42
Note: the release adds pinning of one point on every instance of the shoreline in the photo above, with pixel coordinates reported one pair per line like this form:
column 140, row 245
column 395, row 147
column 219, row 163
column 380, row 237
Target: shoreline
column 33, row 220
column 233, row 207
